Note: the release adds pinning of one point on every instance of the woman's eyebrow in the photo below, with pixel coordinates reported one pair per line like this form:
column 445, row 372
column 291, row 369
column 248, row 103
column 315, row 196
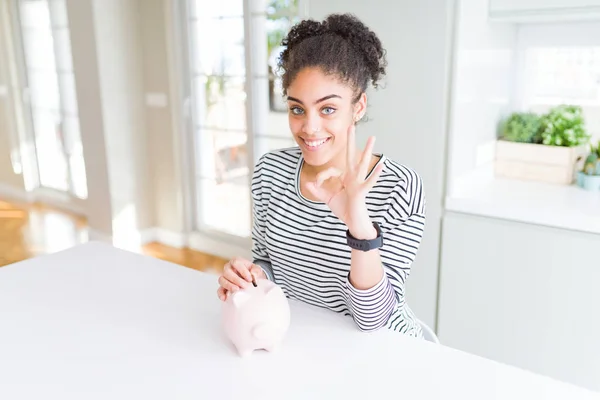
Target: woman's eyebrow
column 290, row 98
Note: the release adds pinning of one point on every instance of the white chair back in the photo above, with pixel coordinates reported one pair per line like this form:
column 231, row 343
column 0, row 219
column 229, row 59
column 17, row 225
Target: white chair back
column 428, row 333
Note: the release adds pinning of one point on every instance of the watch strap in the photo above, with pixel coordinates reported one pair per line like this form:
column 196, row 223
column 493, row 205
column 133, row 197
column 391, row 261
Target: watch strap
column 365, row 245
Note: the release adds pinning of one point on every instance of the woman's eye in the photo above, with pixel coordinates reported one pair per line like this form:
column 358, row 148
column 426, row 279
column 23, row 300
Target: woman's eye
column 296, row 110
column 328, row 110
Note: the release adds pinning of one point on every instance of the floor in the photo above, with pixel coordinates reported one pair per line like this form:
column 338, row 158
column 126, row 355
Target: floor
column 30, row 230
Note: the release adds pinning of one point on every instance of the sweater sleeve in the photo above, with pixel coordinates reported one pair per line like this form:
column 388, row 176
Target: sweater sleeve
column 259, row 249
column 402, row 228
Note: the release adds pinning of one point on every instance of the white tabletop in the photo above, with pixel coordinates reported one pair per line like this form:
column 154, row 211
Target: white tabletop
column 95, row 322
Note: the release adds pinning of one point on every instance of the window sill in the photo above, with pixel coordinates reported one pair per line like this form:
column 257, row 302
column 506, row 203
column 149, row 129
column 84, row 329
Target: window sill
column 565, row 207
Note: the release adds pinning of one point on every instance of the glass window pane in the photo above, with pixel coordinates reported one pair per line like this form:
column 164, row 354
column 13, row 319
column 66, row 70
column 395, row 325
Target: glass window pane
column 208, row 94
column 564, row 75
column 276, row 29
column 34, row 13
column 260, row 46
column 232, row 43
column 219, row 46
column 223, row 181
column 222, row 155
column 570, row 74
column 202, row 87
column 62, row 41
column 71, row 135
column 50, row 154
column 77, row 164
column 225, row 206
column 67, row 92
column 207, row 50
column 38, row 46
column 220, row 102
column 58, row 13
column 234, row 100
column 43, row 90
column 215, row 9
column 282, row 7
column 74, row 150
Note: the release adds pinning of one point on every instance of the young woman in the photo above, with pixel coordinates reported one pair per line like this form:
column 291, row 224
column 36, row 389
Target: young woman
column 334, row 227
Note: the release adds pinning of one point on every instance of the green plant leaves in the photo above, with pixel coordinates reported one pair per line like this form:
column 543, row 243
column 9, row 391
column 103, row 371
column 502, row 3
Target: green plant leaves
column 563, row 125
column 591, row 165
column 522, row 128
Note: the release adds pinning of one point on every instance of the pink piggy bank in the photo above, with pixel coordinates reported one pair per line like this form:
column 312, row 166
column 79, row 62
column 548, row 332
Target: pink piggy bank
column 256, row 318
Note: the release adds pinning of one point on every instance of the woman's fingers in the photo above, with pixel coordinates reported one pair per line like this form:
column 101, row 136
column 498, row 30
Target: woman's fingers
column 237, row 274
column 365, row 160
column 242, row 267
column 227, row 284
column 327, row 174
column 233, row 277
column 351, row 149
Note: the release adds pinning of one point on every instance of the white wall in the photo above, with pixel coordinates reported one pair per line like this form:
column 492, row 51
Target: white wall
column 121, row 70
column 482, row 85
column 408, row 115
column 85, row 66
column 162, row 76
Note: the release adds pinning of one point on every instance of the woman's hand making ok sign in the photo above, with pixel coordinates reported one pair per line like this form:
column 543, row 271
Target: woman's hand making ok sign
column 345, row 191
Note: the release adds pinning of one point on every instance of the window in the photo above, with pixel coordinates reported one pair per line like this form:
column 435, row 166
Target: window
column 564, row 75
column 560, row 64
column 237, row 108
column 49, row 84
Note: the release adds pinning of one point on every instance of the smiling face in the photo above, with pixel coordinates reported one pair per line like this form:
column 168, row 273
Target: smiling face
column 321, row 109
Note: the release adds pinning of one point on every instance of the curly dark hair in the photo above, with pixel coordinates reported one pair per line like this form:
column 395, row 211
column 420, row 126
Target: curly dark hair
column 341, row 45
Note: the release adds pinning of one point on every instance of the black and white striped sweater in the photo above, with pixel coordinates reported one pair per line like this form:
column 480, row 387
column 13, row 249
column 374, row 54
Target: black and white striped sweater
column 301, row 244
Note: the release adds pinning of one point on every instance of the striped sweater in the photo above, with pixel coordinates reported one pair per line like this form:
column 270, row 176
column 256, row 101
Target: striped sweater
column 301, row 244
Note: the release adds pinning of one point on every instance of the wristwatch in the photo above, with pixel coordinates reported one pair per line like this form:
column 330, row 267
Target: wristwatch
column 365, row 245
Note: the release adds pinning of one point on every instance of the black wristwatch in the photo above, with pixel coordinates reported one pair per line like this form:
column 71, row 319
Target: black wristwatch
column 365, row 245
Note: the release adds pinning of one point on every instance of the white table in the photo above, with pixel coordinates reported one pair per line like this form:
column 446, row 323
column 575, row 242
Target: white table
column 95, row 322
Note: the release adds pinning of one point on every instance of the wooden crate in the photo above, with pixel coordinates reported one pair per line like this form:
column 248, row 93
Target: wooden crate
column 537, row 162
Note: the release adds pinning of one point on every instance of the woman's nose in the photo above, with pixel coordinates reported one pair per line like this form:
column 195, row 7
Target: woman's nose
column 312, row 126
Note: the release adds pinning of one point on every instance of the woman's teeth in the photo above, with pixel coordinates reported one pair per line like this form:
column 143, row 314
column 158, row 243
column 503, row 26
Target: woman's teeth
column 315, row 143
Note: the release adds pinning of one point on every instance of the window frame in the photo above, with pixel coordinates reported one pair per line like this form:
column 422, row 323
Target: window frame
column 184, row 43
column 25, row 107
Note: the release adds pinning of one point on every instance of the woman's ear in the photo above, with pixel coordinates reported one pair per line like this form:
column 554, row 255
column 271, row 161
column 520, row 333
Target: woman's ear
column 360, row 107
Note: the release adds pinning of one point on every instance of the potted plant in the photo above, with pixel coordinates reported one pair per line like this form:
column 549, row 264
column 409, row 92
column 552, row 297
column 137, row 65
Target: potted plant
column 543, row 148
column 589, row 176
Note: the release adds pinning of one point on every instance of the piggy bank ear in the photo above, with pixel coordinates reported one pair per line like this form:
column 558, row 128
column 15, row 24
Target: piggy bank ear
column 240, row 298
